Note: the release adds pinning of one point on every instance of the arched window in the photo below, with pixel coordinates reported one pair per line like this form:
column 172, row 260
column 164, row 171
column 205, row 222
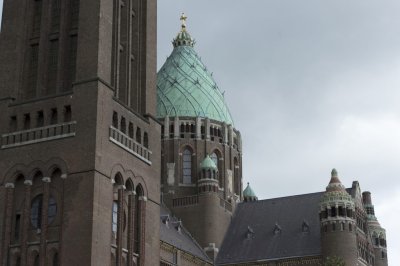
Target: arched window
column 36, row 211
column 130, row 130
column 214, row 157
column 187, row 166
column 115, row 216
column 123, row 125
column 115, row 120
column 138, row 135
column 36, row 261
column 55, row 259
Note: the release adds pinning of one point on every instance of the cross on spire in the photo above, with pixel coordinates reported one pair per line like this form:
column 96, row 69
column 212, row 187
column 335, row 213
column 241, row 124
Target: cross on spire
column 183, row 20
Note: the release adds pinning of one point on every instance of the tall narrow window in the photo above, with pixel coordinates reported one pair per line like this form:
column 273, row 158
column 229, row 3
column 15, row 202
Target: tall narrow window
column 74, row 13
column 123, row 125
column 187, row 166
column 138, row 135
column 130, row 130
column 27, row 121
column 72, row 60
column 54, row 116
column 40, row 119
column 37, row 18
column 36, row 211
column 115, row 217
column 52, row 65
column 55, row 260
column 17, row 227
column 13, row 124
column 115, row 120
column 32, row 71
column 36, row 261
column 67, row 113
column 55, row 15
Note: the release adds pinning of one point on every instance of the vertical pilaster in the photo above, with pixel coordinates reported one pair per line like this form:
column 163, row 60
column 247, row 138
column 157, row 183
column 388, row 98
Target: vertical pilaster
column 131, row 226
column 176, row 127
column 166, row 127
column 120, row 224
column 25, row 222
column 8, row 222
column 43, row 49
column 142, row 202
column 45, row 209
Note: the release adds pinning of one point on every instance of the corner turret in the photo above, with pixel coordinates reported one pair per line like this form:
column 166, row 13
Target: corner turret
column 338, row 226
column 377, row 233
column 248, row 194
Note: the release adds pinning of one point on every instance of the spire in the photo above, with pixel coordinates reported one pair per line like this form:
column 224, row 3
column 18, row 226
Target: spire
column 334, row 183
column 183, row 37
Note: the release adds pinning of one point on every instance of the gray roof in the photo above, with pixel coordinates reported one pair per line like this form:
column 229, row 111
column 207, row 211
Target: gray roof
column 272, row 229
column 179, row 239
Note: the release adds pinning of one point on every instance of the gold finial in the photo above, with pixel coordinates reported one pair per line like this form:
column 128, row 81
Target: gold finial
column 183, row 20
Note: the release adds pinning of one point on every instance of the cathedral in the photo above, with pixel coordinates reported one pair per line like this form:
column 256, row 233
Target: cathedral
column 104, row 161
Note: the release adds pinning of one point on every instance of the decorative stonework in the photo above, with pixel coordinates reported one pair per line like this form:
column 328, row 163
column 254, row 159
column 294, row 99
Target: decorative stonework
column 130, row 145
column 37, row 135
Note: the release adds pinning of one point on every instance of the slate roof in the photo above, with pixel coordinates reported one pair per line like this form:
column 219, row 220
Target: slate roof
column 181, row 240
column 273, row 228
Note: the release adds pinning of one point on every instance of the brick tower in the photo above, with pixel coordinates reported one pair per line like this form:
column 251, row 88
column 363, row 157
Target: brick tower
column 338, row 226
column 79, row 184
column 201, row 150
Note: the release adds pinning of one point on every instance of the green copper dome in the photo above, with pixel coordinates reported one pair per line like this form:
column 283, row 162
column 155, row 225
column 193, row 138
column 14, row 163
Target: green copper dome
column 185, row 87
column 248, row 192
column 208, row 163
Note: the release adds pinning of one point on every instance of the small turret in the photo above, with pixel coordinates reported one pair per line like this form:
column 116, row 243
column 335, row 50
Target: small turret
column 377, row 233
column 208, row 181
column 248, row 194
column 338, row 230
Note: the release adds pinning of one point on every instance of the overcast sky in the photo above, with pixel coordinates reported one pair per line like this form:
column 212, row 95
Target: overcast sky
column 311, row 85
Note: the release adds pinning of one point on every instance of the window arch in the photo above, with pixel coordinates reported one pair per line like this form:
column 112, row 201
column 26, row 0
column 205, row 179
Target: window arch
column 187, row 166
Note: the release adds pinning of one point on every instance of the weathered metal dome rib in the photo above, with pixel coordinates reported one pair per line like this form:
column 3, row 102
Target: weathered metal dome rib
column 185, row 87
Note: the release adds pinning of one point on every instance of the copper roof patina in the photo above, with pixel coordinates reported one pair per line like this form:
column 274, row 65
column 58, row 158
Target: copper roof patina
column 185, row 87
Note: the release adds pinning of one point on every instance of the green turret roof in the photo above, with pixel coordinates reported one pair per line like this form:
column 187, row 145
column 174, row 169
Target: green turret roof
column 185, row 87
column 208, row 163
column 248, row 191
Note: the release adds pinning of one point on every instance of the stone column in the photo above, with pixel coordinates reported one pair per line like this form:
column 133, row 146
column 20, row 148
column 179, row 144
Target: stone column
column 142, row 219
column 198, row 128
column 131, row 226
column 25, row 222
column 45, row 209
column 176, row 127
column 120, row 223
column 166, row 127
column 8, row 221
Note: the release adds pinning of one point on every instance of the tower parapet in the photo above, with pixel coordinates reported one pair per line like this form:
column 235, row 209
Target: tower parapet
column 338, row 226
